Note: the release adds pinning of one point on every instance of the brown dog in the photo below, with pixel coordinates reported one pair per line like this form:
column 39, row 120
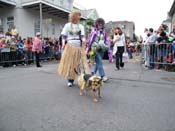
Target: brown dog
column 90, row 82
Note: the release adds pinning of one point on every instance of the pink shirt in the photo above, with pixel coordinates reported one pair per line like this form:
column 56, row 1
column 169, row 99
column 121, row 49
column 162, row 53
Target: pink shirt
column 2, row 44
column 37, row 44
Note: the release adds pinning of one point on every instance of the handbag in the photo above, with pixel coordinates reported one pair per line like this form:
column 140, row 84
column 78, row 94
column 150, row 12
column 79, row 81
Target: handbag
column 125, row 57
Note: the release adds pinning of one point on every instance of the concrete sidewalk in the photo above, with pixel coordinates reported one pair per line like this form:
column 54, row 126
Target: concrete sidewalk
column 134, row 71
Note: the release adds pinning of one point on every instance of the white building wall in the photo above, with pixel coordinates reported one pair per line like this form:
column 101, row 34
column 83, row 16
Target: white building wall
column 27, row 19
column 58, row 22
column 25, row 23
column 24, row 20
column 5, row 13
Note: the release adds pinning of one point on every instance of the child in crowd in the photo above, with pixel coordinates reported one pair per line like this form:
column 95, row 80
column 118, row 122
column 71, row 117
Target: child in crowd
column 130, row 49
column 28, row 49
column 20, row 51
column 20, row 48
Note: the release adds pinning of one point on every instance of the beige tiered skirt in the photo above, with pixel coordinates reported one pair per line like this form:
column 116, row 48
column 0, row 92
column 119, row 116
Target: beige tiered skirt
column 73, row 58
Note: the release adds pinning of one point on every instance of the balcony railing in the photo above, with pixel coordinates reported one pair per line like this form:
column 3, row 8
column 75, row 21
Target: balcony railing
column 65, row 4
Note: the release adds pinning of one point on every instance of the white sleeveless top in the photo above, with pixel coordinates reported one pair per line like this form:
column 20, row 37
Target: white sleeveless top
column 71, row 31
column 119, row 43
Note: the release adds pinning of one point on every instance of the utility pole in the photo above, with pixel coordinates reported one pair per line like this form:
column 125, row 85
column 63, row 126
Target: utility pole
column 41, row 19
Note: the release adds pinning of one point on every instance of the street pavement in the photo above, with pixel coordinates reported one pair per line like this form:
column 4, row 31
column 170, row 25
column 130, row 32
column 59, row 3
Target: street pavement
column 133, row 99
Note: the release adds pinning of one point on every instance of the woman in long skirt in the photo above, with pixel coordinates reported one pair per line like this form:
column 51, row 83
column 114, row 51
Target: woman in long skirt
column 74, row 55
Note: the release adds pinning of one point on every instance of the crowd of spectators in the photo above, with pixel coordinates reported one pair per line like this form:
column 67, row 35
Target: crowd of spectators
column 158, row 48
column 15, row 50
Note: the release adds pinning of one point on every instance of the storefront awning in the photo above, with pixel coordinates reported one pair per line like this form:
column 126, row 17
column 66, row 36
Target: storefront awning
column 48, row 8
column 7, row 3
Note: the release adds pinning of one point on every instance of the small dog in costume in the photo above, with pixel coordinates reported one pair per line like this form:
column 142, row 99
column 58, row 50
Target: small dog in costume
column 90, row 82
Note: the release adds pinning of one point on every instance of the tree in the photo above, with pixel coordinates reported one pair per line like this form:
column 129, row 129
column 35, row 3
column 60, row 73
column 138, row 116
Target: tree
column 90, row 22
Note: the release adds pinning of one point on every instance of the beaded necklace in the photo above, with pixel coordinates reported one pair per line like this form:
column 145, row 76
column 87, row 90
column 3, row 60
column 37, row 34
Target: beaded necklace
column 74, row 31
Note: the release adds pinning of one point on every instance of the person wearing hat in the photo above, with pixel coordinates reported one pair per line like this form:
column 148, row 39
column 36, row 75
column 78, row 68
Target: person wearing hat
column 37, row 48
column 98, row 44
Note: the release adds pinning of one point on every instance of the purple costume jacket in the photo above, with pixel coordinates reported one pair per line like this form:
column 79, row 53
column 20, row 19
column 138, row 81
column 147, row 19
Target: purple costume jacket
column 92, row 38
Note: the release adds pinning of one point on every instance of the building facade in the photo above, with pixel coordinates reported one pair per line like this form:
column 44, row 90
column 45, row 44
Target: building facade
column 127, row 27
column 171, row 15
column 31, row 16
column 92, row 15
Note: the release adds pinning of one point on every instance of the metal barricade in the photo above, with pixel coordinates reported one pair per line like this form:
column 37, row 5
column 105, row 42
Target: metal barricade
column 158, row 55
column 4, row 55
column 9, row 58
column 14, row 58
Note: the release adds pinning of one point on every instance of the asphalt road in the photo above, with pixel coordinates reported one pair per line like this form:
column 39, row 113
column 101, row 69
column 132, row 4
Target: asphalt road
column 134, row 99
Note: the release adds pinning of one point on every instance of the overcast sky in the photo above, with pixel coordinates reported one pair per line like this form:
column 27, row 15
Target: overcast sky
column 145, row 13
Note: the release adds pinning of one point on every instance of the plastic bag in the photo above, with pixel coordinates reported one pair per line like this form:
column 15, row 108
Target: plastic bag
column 125, row 57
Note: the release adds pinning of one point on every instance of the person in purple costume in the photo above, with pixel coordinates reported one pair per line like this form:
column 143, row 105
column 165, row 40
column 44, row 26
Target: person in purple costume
column 98, row 36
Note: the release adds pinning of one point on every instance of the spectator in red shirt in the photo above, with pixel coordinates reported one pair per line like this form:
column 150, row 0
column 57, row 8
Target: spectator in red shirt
column 2, row 43
column 28, row 44
column 37, row 48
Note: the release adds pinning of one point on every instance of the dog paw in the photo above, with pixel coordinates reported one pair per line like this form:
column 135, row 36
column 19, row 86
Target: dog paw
column 81, row 93
column 95, row 100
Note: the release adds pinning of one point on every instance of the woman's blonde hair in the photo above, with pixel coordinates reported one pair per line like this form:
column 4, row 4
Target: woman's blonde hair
column 73, row 14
